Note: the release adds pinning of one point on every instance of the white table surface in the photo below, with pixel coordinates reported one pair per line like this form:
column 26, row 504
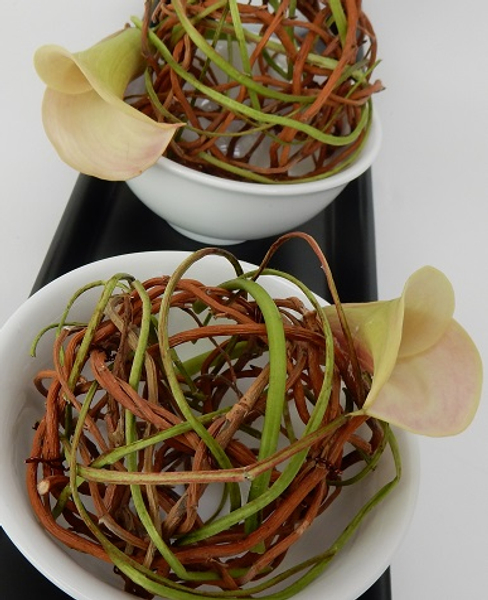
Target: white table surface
column 431, row 203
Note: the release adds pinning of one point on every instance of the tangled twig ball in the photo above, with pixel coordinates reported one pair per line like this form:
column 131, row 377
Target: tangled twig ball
column 269, row 91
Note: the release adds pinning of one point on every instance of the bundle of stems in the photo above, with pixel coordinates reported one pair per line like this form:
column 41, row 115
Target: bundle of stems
column 275, row 91
column 195, row 475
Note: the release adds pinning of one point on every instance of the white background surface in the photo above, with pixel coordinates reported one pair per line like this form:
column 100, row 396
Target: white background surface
column 431, row 202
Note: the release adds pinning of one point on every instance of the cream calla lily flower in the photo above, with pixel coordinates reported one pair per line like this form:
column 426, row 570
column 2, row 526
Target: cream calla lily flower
column 85, row 116
column 426, row 370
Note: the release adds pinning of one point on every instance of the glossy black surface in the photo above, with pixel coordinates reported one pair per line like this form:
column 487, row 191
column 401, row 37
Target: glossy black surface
column 104, row 219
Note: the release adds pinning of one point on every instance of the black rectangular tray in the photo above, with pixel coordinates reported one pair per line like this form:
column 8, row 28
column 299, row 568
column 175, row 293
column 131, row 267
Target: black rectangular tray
column 105, row 219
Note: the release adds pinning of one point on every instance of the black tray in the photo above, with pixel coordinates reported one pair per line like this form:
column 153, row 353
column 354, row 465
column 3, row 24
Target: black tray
column 104, row 219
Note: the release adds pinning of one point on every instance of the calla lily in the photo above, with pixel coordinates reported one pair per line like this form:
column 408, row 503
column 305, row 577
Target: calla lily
column 85, row 116
column 426, row 371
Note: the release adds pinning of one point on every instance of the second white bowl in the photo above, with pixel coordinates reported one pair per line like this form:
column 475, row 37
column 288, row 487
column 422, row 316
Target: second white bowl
column 213, row 209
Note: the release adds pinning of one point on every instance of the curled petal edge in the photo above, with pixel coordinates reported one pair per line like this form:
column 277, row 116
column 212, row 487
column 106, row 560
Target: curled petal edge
column 84, row 113
column 426, row 370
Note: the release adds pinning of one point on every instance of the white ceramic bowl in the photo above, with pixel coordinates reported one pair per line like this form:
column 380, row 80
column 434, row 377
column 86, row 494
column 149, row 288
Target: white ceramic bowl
column 215, row 210
column 358, row 565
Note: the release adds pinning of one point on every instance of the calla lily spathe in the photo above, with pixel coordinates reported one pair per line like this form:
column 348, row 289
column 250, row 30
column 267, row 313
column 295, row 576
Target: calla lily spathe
column 426, row 370
column 84, row 113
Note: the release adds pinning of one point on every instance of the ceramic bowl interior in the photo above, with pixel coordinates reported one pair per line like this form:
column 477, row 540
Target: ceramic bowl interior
column 358, row 565
column 221, row 211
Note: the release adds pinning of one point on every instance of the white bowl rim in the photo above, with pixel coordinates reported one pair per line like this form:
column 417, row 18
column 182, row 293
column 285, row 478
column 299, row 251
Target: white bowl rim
column 355, row 169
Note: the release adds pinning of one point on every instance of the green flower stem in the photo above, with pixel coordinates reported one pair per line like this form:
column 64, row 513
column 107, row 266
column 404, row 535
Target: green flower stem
column 169, row 367
column 243, row 51
column 119, row 558
column 327, row 331
column 217, row 134
column 229, row 69
column 321, row 561
column 256, row 177
column 137, row 572
column 67, row 449
column 336, row 6
column 272, row 45
column 233, row 474
column 179, row 31
column 63, row 322
column 131, row 437
column 95, row 319
column 63, row 498
column 324, row 395
column 256, row 115
column 193, row 365
column 146, row 442
column 335, row 300
column 143, row 338
column 296, row 461
column 324, row 62
column 76, row 470
column 317, row 564
column 277, row 380
column 44, row 330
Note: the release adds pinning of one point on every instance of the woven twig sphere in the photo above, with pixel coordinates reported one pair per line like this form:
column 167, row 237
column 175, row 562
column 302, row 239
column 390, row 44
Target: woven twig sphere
column 272, row 92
